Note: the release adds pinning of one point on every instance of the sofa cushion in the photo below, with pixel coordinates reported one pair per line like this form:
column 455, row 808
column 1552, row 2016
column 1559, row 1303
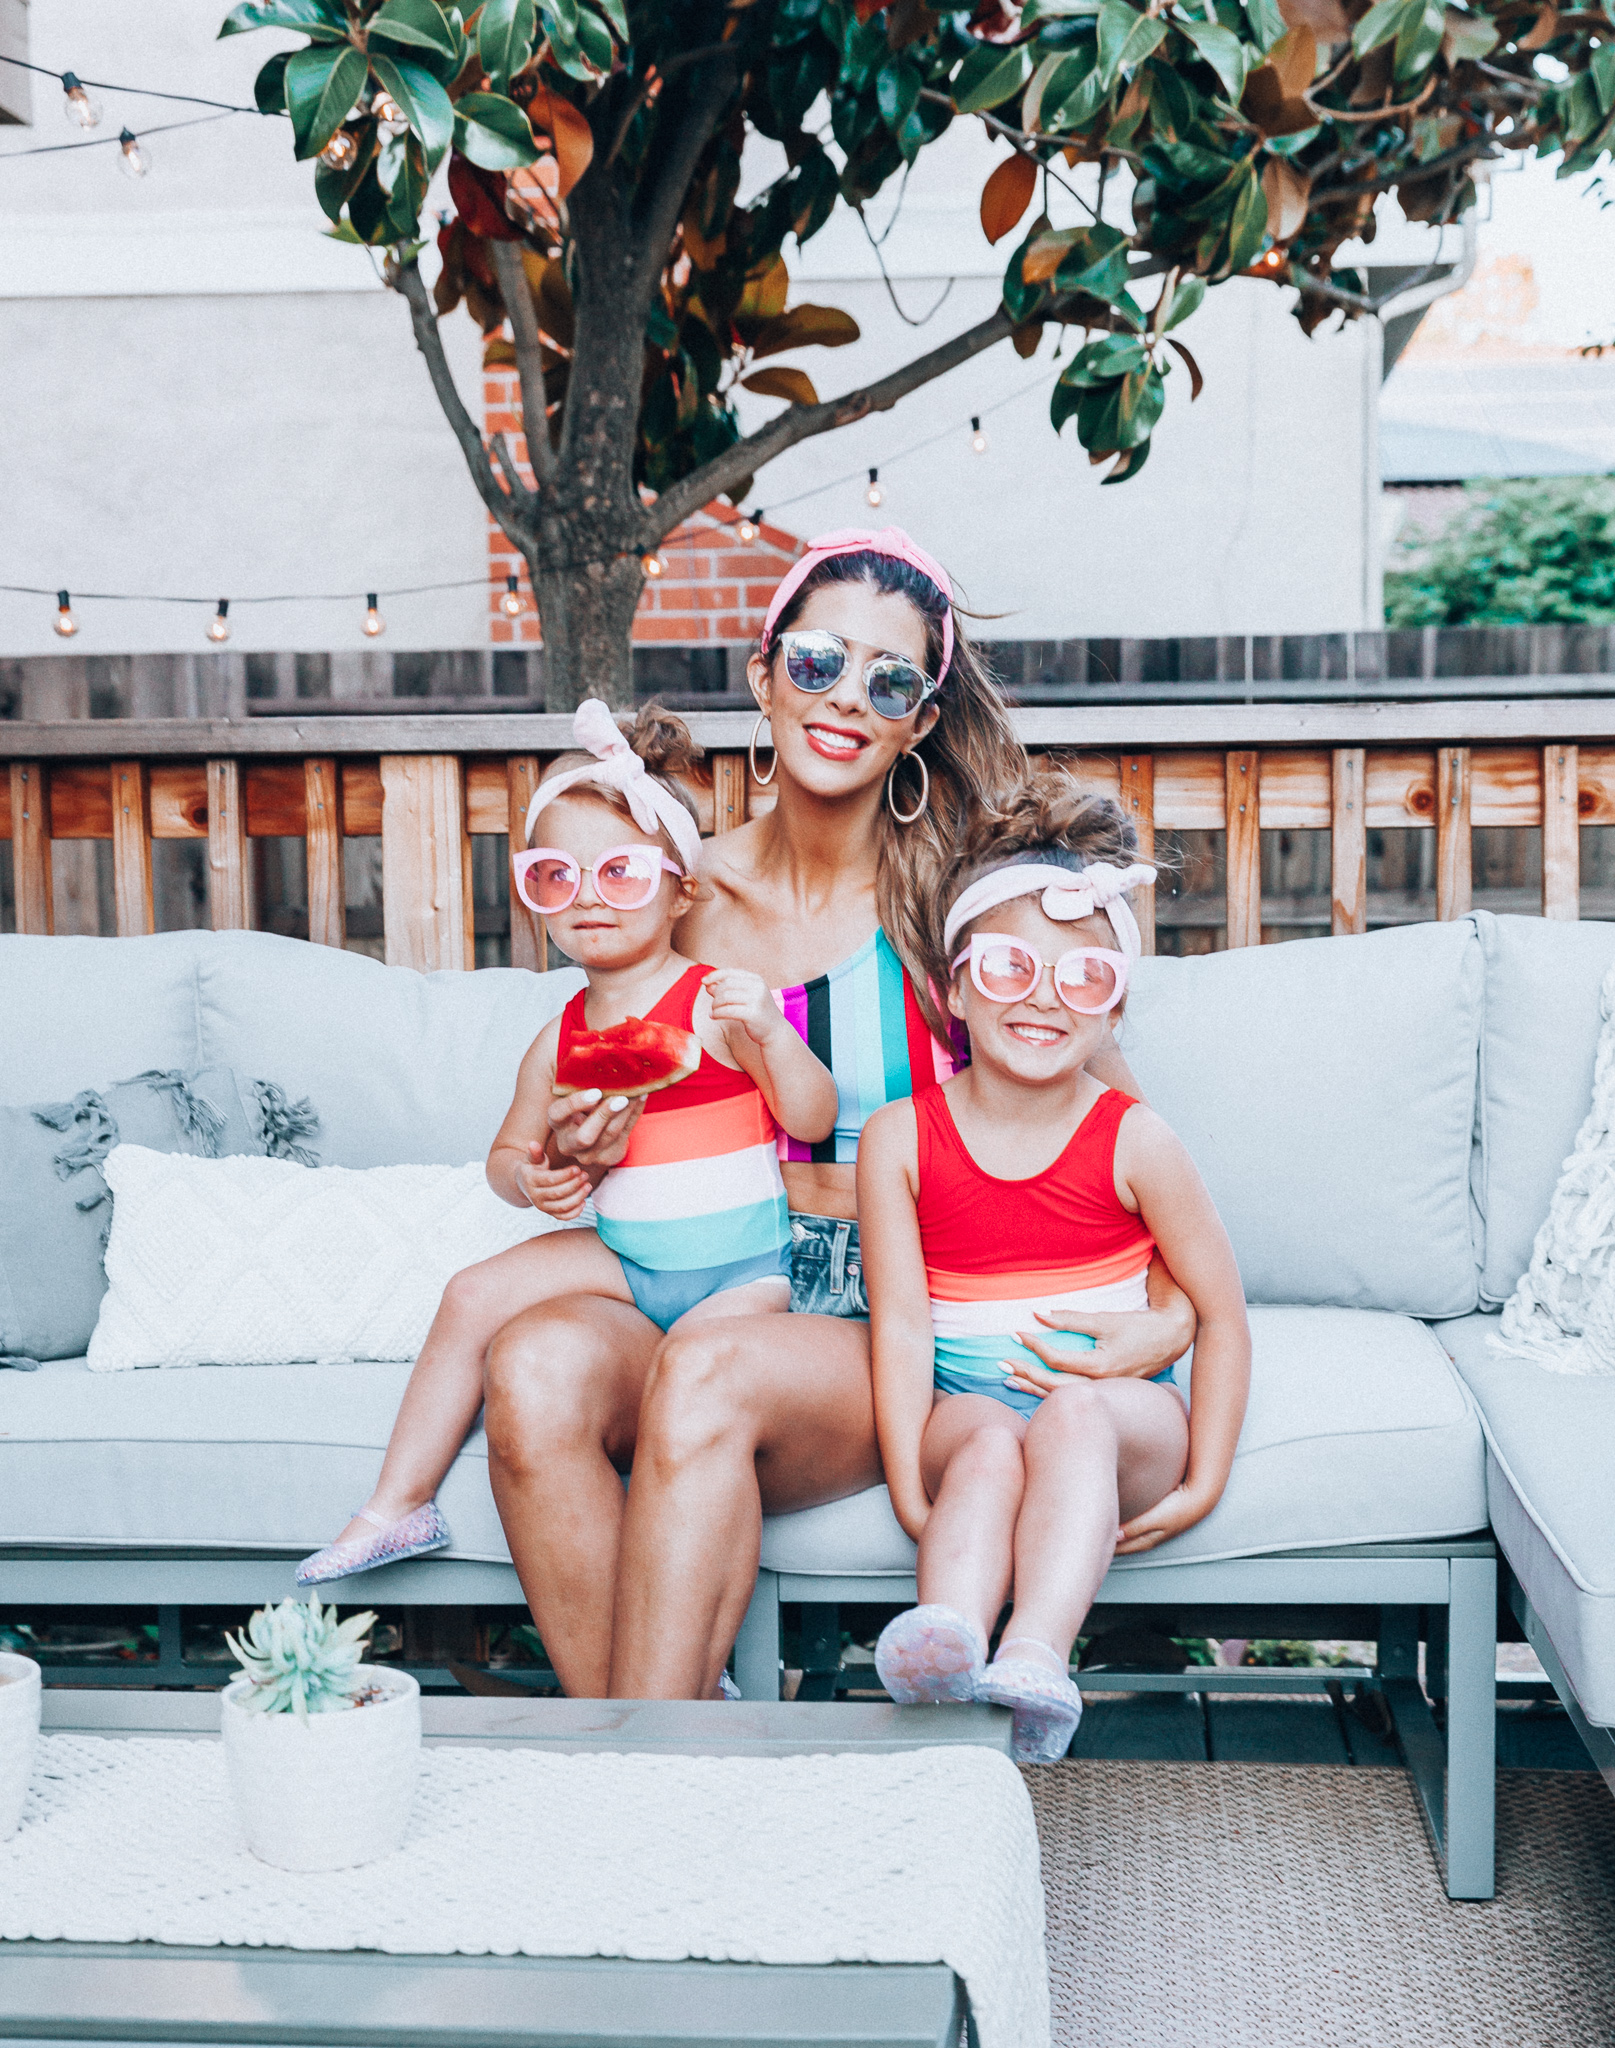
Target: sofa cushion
column 1358, row 1431
column 1536, row 1077
column 406, row 1068
column 1326, row 1090
column 1550, row 1457
column 74, row 1013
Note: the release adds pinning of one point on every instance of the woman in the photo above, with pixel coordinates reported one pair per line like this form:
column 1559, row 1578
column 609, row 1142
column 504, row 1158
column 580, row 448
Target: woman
column 886, row 733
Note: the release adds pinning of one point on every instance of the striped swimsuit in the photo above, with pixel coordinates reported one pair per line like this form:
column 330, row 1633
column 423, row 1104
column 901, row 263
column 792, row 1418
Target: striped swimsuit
column 999, row 1251
column 697, row 1205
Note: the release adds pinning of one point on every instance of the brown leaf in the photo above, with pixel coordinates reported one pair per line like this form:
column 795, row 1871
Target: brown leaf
column 1374, row 76
column 1046, row 254
column 1295, row 58
column 1006, row 195
column 702, row 253
column 796, row 385
column 866, row 10
column 805, row 326
column 1288, row 193
column 1265, row 102
column 568, row 130
column 1544, row 29
column 1025, row 339
column 498, row 353
column 530, row 195
column 1327, row 19
column 552, row 296
column 1197, row 383
column 907, row 21
column 766, row 289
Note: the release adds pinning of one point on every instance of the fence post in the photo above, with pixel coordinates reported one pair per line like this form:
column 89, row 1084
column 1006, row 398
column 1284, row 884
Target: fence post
column 229, row 878
column 1454, row 849
column 322, row 841
column 1244, row 841
column 529, row 942
column 1561, row 831
column 131, row 849
column 728, row 792
column 425, row 862
column 30, row 847
column 1348, row 841
column 1138, row 801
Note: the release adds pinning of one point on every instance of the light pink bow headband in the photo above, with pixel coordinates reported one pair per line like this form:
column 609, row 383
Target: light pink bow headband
column 890, row 541
column 1066, row 896
column 617, row 766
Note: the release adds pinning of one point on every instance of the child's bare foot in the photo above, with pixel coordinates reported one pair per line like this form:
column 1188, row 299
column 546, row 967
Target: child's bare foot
column 371, row 1539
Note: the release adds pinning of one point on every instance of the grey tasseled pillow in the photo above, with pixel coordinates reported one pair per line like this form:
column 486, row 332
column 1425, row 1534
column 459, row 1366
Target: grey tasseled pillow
column 56, row 1209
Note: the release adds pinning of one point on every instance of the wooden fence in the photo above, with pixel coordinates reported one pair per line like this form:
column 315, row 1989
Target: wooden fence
column 425, row 786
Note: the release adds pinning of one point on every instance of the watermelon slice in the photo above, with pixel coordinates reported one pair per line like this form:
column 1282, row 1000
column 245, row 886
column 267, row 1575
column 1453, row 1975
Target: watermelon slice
column 633, row 1058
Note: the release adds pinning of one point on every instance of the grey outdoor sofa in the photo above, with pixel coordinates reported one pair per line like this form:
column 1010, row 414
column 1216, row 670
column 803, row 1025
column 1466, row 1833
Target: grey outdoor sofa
column 1380, row 1120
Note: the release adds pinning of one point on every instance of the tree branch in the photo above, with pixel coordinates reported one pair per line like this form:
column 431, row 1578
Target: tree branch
column 502, row 504
column 697, row 117
column 500, row 444
column 512, row 275
column 803, row 422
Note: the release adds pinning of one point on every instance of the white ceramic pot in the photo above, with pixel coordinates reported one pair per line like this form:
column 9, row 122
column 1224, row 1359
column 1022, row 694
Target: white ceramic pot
column 331, row 1791
column 19, row 1735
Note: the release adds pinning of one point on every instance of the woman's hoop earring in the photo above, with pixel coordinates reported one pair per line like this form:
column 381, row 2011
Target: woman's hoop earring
column 762, row 781
column 919, row 810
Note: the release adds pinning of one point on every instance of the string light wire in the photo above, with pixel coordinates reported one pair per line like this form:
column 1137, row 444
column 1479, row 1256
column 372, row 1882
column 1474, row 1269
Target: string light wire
column 104, row 141
column 144, row 92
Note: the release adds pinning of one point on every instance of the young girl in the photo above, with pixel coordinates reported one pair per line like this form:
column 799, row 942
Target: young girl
column 692, row 1219
column 1018, row 1189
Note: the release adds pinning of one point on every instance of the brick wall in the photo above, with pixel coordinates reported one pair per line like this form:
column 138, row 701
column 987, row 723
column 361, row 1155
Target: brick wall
column 715, row 586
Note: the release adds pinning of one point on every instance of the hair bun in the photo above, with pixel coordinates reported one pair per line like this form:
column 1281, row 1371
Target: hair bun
column 662, row 740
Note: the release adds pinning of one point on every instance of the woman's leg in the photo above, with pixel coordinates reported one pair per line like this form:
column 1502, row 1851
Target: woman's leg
column 562, row 1390
column 445, row 1389
column 971, row 1461
column 1096, row 1452
column 736, row 1420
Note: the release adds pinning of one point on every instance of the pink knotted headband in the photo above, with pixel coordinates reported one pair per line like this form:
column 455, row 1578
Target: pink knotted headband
column 890, row 541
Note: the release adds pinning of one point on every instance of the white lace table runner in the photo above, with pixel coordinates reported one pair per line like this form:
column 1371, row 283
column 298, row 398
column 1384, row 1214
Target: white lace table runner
column 926, row 1856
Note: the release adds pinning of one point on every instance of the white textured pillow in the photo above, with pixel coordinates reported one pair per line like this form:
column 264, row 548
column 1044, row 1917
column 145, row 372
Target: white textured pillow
column 247, row 1261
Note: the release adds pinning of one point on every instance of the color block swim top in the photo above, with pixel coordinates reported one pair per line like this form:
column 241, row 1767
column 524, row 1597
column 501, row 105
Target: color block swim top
column 699, row 1184
column 998, row 1251
column 862, row 1021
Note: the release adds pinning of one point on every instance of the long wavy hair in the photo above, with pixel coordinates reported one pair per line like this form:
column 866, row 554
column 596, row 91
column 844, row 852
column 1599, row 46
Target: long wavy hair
column 971, row 754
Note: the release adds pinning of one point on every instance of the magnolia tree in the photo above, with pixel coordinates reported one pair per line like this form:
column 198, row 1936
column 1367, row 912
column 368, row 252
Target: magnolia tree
column 600, row 241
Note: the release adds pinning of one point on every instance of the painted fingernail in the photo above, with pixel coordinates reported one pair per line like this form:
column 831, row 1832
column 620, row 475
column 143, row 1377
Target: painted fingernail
column 617, row 1102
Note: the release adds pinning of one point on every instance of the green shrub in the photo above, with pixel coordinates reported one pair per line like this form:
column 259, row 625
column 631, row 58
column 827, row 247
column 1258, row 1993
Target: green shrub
column 1514, row 554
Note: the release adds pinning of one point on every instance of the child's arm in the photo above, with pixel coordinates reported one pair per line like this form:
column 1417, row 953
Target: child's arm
column 1155, row 1169
column 797, row 1086
column 899, row 1304
column 528, row 1166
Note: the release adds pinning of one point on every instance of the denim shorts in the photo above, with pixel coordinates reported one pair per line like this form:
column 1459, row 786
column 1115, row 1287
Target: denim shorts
column 827, row 1268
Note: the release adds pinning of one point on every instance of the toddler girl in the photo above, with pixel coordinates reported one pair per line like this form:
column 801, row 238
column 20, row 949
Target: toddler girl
column 692, row 1218
column 1016, row 1190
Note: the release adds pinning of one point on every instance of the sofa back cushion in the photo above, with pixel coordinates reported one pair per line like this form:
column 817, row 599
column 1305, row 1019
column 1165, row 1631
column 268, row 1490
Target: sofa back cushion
column 1536, row 1076
column 77, row 1013
column 1326, row 1089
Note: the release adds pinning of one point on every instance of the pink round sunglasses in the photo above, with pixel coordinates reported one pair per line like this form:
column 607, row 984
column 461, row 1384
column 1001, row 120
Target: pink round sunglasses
column 625, row 877
column 1089, row 979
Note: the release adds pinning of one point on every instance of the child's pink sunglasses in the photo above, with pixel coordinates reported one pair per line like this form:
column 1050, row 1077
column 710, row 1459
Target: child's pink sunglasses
column 1088, row 979
column 625, row 877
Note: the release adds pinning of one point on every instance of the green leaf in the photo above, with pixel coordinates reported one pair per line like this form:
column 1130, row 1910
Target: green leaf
column 1267, row 23
column 416, row 25
column 1222, row 50
column 493, row 132
column 1126, row 38
column 1247, row 225
column 1382, row 23
column 594, row 41
column 1130, row 462
column 897, row 90
column 989, row 76
column 322, row 19
column 1468, row 37
column 421, row 100
column 269, row 87
column 505, row 32
column 1420, row 39
column 617, row 15
column 1185, row 300
column 1603, row 70
column 321, row 86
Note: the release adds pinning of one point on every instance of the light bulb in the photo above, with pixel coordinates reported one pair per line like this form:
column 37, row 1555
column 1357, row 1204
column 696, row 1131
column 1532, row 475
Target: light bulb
column 66, row 624
column 389, row 115
column 132, row 159
column 340, row 153
column 374, row 623
column 747, row 529
column 77, row 104
column 219, row 625
column 874, row 495
column 978, row 440
column 652, row 564
column 511, row 603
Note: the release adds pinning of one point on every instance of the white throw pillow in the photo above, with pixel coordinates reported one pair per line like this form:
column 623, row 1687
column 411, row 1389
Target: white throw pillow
column 247, row 1261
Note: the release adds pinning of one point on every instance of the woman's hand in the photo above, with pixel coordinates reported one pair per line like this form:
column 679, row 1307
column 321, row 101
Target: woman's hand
column 559, row 1191
column 1182, row 1508
column 592, row 1129
column 744, row 999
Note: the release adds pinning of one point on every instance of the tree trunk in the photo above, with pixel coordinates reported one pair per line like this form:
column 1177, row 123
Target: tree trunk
column 587, row 611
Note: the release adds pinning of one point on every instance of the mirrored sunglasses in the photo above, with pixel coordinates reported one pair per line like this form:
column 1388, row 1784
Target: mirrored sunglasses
column 625, row 877
column 1088, row 979
column 816, row 661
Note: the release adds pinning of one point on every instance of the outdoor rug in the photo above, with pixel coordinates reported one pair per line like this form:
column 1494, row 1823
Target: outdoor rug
column 1266, row 1906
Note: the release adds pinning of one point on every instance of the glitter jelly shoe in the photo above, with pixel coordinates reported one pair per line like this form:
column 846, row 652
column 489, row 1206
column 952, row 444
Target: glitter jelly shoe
column 1046, row 1704
column 929, row 1656
column 421, row 1530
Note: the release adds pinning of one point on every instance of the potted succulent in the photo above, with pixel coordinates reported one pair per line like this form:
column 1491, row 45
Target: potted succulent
column 323, row 1750
column 19, row 1733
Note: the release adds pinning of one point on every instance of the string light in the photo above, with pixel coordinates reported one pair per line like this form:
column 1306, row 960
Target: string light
column 66, row 624
column 511, row 603
column 132, row 159
column 219, row 625
column 341, row 152
column 389, row 115
column 77, row 104
column 652, row 564
column 749, row 524
column 978, row 439
column 874, row 495
column 374, row 623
